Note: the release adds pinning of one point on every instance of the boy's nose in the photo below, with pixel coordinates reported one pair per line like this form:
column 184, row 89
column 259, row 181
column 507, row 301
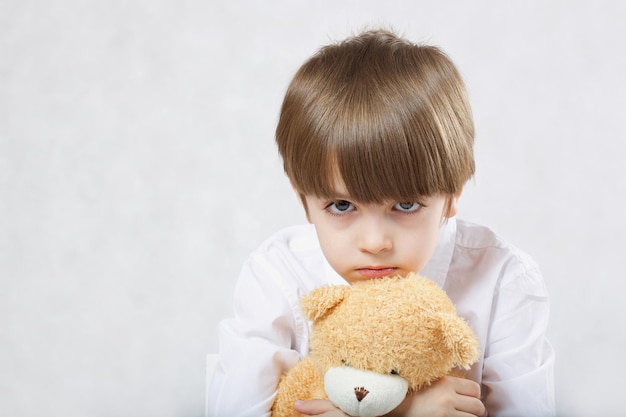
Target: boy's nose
column 373, row 238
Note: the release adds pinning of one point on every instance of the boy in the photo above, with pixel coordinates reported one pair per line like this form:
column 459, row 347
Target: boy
column 376, row 135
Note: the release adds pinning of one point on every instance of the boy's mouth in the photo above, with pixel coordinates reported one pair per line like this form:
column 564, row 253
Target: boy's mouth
column 377, row 271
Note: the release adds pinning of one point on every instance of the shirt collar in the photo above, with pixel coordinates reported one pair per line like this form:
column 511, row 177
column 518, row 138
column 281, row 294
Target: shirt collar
column 437, row 267
column 332, row 277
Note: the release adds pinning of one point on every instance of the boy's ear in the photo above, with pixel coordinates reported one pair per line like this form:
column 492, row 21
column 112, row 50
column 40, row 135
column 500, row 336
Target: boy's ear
column 453, row 204
column 321, row 300
column 302, row 201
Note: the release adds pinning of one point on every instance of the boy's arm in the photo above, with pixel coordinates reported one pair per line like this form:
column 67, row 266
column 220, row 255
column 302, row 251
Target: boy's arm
column 255, row 347
column 445, row 397
column 321, row 408
column 518, row 365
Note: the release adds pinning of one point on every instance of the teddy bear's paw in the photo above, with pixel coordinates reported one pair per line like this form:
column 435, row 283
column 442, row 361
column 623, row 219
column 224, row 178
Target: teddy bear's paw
column 363, row 393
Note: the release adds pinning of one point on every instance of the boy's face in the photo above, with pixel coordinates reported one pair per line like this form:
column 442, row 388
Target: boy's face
column 371, row 241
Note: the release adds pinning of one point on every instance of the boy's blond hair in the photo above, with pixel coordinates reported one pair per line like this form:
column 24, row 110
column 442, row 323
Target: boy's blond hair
column 388, row 118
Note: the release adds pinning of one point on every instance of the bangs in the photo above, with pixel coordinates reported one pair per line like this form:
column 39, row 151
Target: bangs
column 376, row 160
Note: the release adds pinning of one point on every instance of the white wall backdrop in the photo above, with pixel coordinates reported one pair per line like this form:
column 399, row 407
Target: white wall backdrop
column 138, row 170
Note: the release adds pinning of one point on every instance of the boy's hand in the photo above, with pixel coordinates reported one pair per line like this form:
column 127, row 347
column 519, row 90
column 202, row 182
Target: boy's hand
column 448, row 396
column 322, row 408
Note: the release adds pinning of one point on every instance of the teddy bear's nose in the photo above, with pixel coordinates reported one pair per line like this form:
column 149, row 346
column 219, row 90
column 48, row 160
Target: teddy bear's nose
column 360, row 393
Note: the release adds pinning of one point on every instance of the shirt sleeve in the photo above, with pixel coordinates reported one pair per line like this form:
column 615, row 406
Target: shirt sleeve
column 256, row 345
column 519, row 361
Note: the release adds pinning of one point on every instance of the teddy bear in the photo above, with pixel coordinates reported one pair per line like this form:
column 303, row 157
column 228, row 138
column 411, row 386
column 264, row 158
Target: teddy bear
column 374, row 341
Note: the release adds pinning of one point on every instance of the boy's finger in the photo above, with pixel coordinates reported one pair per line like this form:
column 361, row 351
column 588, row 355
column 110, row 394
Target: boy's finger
column 313, row 407
column 471, row 405
column 467, row 387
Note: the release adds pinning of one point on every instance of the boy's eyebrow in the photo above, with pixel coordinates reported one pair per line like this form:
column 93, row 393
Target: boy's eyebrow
column 335, row 197
column 339, row 196
column 335, row 194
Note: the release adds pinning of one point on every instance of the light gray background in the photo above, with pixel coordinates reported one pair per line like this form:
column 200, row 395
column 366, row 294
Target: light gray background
column 138, row 170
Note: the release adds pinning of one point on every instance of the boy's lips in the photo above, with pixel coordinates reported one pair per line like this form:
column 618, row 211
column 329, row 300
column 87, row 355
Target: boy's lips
column 377, row 271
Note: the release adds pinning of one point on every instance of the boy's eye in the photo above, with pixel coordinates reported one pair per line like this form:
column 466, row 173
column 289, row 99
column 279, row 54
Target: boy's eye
column 340, row 207
column 408, row 207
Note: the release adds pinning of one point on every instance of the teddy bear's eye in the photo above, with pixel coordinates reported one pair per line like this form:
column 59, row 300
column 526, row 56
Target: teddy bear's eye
column 394, row 372
column 344, row 362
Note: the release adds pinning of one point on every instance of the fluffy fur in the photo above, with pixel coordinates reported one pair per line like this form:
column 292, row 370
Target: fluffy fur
column 374, row 341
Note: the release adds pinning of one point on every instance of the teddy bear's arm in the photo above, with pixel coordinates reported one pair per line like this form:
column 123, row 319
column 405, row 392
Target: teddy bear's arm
column 302, row 382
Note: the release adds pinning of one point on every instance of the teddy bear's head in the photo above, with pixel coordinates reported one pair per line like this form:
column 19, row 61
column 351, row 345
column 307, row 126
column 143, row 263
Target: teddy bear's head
column 374, row 340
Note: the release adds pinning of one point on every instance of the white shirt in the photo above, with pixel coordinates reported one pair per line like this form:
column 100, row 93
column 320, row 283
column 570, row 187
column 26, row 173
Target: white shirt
column 495, row 286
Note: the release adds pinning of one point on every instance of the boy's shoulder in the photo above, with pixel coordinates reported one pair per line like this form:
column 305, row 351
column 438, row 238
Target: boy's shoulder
column 296, row 238
column 475, row 237
column 509, row 266
column 292, row 256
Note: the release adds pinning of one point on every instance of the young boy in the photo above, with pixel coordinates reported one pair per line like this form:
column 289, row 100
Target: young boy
column 376, row 135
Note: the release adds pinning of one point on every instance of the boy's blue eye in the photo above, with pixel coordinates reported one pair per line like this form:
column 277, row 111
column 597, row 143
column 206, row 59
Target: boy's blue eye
column 340, row 207
column 408, row 207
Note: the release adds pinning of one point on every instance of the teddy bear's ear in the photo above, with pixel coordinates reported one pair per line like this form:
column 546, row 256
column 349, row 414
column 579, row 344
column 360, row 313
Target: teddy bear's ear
column 460, row 340
column 321, row 300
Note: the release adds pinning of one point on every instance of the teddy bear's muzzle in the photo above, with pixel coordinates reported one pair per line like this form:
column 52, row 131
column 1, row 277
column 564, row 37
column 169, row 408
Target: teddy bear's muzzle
column 362, row 393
